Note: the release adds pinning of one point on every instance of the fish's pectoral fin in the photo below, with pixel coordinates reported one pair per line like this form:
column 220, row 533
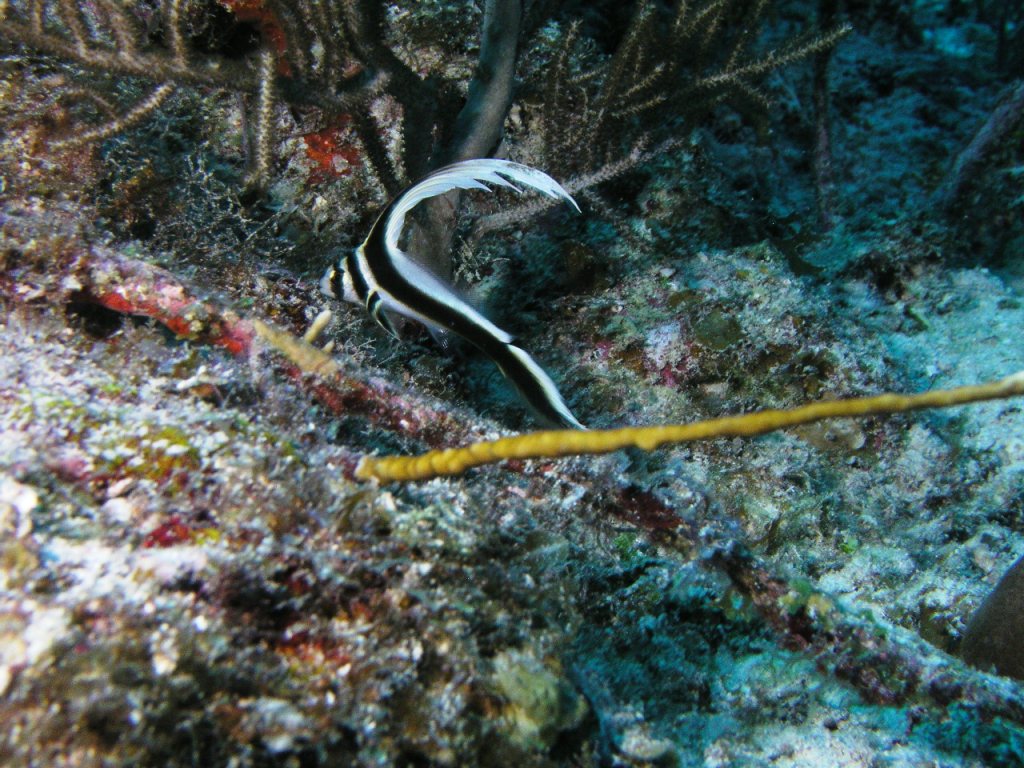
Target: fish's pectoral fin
column 446, row 340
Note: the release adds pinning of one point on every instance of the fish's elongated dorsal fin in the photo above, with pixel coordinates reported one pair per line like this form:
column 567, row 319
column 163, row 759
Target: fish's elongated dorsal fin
column 468, row 174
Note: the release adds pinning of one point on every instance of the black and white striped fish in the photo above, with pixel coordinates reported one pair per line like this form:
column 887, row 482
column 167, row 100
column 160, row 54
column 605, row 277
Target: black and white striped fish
column 381, row 277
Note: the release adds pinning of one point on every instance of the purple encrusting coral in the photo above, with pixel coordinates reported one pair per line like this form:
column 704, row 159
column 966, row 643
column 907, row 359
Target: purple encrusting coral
column 191, row 575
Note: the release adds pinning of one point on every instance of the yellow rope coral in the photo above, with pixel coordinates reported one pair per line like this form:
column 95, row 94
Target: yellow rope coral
column 552, row 444
column 300, row 352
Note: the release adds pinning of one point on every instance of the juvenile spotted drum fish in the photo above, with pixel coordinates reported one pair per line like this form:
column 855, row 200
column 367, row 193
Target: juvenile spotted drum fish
column 381, row 277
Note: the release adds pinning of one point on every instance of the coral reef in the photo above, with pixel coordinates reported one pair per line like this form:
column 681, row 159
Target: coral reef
column 193, row 573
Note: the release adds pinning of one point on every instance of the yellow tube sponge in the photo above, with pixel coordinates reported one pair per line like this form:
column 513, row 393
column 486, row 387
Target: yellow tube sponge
column 571, row 442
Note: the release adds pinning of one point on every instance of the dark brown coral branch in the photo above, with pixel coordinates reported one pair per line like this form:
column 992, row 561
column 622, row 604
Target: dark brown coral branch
column 478, row 128
column 1007, row 117
column 479, row 125
column 364, row 23
column 824, row 176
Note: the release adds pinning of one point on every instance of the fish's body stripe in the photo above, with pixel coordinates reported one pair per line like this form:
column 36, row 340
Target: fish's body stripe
column 338, row 282
column 357, row 276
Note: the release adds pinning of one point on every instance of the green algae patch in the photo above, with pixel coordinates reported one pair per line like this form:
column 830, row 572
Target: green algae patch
column 717, row 330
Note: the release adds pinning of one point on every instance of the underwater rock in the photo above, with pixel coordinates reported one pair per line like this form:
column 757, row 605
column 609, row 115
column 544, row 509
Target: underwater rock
column 540, row 704
column 993, row 636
